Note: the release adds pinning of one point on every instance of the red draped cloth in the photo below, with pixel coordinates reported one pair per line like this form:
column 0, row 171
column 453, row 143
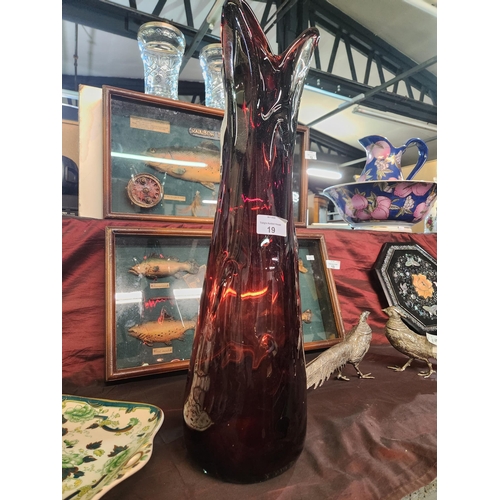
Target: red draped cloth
column 366, row 439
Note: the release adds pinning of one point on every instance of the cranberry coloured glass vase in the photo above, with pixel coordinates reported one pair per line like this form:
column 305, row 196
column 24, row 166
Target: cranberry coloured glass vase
column 245, row 406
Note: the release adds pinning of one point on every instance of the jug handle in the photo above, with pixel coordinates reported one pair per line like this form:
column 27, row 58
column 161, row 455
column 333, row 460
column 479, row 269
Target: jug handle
column 423, row 152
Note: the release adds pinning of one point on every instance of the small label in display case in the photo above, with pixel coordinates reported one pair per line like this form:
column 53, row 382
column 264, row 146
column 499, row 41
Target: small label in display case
column 333, row 264
column 207, row 134
column 150, row 124
column 173, row 197
column 159, row 285
column 163, row 350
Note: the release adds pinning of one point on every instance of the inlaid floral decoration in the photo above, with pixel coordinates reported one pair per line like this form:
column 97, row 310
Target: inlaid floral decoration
column 416, row 282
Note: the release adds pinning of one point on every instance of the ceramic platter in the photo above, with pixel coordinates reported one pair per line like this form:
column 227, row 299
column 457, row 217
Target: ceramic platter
column 103, row 443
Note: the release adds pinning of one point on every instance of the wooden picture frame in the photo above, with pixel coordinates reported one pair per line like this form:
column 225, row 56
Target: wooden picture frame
column 154, row 278
column 138, row 127
column 322, row 323
column 299, row 176
column 150, row 316
column 161, row 157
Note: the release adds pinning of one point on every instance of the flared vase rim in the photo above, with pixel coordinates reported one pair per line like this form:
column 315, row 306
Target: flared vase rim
column 162, row 24
column 211, row 51
column 210, row 46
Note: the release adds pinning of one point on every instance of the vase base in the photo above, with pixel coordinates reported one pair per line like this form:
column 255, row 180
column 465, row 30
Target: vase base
column 240, row 456
column 243, row 477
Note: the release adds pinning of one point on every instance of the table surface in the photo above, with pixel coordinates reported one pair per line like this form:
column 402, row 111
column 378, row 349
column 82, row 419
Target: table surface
column 366, row 438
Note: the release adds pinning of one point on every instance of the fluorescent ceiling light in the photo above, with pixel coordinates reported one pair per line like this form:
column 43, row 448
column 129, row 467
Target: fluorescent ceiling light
column 392, row 117
column 210, row 202
column 324, row 174
column 325, row 92
column 169, row 161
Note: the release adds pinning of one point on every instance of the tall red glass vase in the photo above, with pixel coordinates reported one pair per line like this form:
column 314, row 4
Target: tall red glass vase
column 245, row 406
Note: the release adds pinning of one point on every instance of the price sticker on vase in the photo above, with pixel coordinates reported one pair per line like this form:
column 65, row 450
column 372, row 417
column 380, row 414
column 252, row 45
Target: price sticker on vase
column 271, row 225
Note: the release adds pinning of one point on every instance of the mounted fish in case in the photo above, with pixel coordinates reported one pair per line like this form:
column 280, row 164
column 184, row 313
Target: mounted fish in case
column 164, row 330
column 204, row 159
column 156, row 266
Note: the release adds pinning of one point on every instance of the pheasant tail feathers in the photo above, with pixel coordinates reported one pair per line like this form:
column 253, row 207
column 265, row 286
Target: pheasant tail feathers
column 321, row 368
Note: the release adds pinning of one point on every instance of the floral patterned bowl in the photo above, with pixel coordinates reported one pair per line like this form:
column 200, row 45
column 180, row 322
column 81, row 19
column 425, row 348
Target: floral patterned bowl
column 401, row 203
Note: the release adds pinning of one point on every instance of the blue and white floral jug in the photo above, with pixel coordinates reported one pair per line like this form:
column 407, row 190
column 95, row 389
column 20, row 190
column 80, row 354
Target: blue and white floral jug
column 383, row 162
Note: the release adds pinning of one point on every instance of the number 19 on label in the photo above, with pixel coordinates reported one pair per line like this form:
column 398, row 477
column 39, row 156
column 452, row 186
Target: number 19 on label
column 269, row 224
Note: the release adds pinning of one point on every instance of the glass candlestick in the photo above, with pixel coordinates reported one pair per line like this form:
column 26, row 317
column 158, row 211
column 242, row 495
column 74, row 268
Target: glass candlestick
column 211, row 66
column 162, row 47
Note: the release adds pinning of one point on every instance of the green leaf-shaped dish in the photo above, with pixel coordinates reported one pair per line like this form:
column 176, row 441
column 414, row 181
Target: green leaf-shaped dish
column 103, row 443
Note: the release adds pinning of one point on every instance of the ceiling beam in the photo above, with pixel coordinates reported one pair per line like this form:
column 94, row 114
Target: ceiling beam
column 123, row 21
column 186, row 88
column 339, row 24
column 341, row 148
column 383, row 101
column 364, row 96
column 205, row 28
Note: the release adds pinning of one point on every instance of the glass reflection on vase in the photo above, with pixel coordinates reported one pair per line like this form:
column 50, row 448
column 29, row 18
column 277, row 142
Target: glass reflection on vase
column 211, row 66
column 162, row 47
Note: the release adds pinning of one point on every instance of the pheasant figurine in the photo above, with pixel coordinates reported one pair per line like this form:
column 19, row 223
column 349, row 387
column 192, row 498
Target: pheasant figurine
column 407, row 342
column 351, row 350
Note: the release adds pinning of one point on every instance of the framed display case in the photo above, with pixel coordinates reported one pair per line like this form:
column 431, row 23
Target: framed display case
column 154, row 279
column 322, row 323
column 408, row 275
column 162, row 159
